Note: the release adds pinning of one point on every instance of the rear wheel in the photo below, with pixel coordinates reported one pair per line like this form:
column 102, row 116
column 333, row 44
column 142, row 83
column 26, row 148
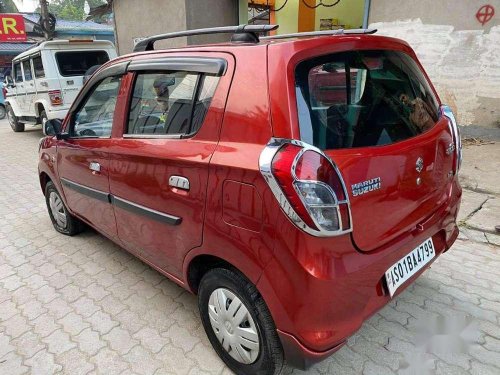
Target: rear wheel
column 62, row 220
column 239, row 324
column 43, row 118
column 3, row 112
column 14, row 121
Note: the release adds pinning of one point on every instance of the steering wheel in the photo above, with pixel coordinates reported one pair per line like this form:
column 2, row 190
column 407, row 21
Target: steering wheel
column 88, row 133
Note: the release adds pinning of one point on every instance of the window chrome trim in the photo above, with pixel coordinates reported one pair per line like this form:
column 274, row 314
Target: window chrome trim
column 447, row 112
column 265, row 165
column 153, row 136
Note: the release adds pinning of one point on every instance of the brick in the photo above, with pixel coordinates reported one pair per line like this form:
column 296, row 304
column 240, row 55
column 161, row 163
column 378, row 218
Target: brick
column 45, row 294
column 85, row 306
column 120, row 340
column 151, row 339
column 12, row 364
column 102, row 322
column 43, row 363
column 28, row 344
column 141, row 361
column 109, row 362
column 44, row 325
column 59, row 342
column 16, row 326
column 7, row 310
column 181, row 338
column 89, row 341
column 73, row 323
column 74, row 362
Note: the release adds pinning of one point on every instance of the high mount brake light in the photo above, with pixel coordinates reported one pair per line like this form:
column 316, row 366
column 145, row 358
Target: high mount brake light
column 455, row 131
column 308, row 186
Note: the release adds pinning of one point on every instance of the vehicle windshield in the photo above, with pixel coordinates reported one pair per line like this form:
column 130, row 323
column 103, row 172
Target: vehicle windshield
column 76, row 63
column 363, row 98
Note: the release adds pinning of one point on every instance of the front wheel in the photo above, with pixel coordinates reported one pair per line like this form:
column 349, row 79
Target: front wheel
column 62, row 220
column 14, row 121
column 239, row 324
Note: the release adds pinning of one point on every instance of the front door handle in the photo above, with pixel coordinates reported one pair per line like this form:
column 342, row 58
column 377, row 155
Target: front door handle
column 95, row 167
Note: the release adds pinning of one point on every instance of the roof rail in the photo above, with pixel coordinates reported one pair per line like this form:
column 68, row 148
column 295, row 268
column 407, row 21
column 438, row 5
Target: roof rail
column 321, row 33
column 249, row 33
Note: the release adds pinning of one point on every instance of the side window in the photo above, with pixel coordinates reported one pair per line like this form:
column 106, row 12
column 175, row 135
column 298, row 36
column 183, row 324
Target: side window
column 38, row 67
column 95, row 117
column 169, row 103
column 18, row 74
column 27, row 70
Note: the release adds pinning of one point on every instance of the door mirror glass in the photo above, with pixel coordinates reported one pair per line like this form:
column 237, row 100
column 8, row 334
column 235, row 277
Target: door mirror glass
column 52, row 127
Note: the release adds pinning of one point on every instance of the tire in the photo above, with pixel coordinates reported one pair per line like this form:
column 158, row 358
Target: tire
column 220, row 284
column 13, row 120
column 62, row 220
column 43, row 117
column 3, row 112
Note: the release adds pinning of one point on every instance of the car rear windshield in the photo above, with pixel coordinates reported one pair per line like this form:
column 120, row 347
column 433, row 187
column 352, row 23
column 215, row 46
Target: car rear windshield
column 362, row 98
column 76, row 63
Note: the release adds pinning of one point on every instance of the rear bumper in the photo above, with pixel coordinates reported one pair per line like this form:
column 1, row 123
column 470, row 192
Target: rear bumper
column 320, row 291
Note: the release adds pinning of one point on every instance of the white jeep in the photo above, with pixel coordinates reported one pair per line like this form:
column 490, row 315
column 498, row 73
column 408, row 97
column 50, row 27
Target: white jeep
column 46, row 79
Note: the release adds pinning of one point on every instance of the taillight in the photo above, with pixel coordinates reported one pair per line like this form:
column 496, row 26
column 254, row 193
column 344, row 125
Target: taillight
column 4, row 92
column 308, row 186
column 55, row 97
column 455, row 131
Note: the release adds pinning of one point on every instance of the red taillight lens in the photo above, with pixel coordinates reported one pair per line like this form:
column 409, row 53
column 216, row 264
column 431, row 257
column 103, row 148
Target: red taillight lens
column 281, row 167
column 55, row 97
column 4, row 92
column 308, row 186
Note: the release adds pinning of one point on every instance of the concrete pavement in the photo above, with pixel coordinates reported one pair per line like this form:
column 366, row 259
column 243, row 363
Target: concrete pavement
column 78, row 305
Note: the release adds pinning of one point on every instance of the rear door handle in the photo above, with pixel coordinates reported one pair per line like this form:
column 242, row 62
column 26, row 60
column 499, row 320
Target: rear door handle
column 179, row 182
column 95, row 167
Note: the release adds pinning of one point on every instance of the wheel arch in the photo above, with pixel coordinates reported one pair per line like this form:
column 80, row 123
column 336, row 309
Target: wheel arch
column 199, row 264
column 44, row 179
column 39, row 107
column 13, row 105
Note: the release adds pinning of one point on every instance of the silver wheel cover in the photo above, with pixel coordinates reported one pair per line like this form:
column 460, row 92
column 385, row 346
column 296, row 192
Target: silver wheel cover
column 57, row 209
column 233, row 326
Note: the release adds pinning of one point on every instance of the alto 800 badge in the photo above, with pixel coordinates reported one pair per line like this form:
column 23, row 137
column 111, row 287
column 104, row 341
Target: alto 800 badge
column 366, row 186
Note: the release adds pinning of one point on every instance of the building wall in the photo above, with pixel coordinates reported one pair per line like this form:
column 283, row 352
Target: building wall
column 288, row 17
column 347, row 12
column 139, row 19
column 461, row 56
column 210, row 13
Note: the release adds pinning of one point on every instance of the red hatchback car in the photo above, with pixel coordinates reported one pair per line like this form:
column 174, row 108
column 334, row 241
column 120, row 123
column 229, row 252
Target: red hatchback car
column 295, row 183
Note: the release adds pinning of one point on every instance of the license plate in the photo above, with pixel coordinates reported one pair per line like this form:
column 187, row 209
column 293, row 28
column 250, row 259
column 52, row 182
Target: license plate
column 409, row 265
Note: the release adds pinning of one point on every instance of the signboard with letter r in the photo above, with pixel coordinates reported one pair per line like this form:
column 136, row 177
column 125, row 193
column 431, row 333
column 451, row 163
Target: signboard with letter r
column 12, row 28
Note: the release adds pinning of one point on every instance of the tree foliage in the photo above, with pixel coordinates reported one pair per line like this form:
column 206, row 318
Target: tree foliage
column 72, row 9
column 8, row 6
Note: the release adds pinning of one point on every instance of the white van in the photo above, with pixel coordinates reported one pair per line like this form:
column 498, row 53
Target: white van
column 46, row 79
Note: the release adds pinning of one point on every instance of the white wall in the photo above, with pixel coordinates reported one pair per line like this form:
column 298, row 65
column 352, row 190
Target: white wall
column 464, row 65
column 461, row 55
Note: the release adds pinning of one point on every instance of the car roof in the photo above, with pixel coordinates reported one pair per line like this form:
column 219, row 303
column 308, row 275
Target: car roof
column 64, row 44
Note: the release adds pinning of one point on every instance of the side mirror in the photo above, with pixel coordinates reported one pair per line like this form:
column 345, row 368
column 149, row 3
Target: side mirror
column 9, row 81
column 52, row 127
